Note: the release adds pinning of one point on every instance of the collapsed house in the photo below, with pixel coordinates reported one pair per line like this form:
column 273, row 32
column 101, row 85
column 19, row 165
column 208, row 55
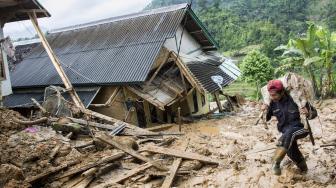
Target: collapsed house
column 140, row 68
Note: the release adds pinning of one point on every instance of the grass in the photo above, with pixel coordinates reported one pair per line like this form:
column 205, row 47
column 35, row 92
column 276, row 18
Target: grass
column 247, row 90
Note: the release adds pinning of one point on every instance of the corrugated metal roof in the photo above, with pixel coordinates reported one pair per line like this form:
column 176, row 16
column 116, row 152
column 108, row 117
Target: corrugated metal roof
column 203, row 73
column 115, row 52
column 208, row 65
column 22, row 99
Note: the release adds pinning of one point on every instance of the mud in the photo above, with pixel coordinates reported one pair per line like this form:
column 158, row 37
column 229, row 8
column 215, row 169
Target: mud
column 235, row 140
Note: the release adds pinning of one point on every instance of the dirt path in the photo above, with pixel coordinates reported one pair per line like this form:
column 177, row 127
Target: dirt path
column 236, row 139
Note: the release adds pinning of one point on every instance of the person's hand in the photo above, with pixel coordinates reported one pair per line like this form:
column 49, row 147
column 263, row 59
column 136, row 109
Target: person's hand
column 264, row 107
column 304, row 111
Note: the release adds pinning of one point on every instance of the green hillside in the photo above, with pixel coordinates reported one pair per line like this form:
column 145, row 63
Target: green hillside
column 239, row 23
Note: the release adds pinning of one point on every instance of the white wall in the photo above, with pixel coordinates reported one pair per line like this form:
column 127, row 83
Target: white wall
column 189, row 45
column 6, row 87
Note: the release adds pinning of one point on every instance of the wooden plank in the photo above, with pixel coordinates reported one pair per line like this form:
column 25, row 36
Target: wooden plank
column 90, row 165
column 50, row 171
column 72, row 182
column 135, row 154
column 169, row 87
column 156, row 103
column 158, row 69
column 160, row 128
column 155, row 134
column 94, row 124
column 84, row 183
column 126, row 175
column 187, row 74
column 113, row 120
column 180, row 153
column 44, row 111
column 173, row 170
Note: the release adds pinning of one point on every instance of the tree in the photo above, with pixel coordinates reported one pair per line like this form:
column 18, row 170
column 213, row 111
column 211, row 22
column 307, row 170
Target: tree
column 256, row 68
column 315, row 53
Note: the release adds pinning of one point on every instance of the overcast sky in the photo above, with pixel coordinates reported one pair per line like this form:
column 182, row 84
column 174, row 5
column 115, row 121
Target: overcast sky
column 72, row 12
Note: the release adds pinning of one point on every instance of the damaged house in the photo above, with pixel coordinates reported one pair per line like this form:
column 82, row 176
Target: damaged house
column 140, row 68
column 13, row 11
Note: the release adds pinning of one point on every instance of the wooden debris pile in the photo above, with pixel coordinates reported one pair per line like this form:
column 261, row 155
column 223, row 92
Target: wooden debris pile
column 74, row 152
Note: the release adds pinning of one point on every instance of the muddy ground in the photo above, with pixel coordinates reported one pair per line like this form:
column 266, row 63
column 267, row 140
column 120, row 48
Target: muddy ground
column 235, row 140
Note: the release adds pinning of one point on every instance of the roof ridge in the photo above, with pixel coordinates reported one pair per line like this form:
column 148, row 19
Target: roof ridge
column 122, row 17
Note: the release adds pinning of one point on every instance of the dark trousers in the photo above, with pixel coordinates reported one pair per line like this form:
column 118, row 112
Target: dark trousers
column 289, row 139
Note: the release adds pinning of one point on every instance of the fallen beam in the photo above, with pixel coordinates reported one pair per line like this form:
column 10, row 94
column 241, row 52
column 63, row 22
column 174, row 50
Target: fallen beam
column 48, row 172
column 155, row 134
column 135, row 154
column 94, row 124
column 123, row 177
column 160, row 127
column 180, row 153
column 34, row 122
column 173, row 171
column 91, row 165
column 327, row 145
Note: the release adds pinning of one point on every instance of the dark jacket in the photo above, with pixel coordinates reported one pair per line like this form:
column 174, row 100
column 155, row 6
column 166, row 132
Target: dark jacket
column 287, row 113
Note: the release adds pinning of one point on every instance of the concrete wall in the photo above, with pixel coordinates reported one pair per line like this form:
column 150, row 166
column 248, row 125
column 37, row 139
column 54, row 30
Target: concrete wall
column 5, row 85
column 189, row 45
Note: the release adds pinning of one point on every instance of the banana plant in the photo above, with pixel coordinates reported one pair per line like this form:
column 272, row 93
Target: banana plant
column 304, row 52
column 327, row 43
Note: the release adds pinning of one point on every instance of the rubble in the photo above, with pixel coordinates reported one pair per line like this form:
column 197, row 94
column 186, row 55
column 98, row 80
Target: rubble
column 227, row 152
column 56, row 152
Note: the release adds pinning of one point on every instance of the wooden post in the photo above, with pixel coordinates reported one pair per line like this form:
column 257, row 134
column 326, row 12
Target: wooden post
column 56, row 62
column 220, row 107
column 179, row 118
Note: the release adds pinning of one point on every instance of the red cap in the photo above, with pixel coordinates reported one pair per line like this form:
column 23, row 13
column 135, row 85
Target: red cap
column 275, row 86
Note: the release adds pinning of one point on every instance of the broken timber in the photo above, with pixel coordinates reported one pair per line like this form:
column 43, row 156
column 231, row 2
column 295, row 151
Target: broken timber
column 180, row 153
column 91, row 165
column 135, row 154
column 128, row 174
column 56, row 62
column 51, row 171
column 173, row 171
